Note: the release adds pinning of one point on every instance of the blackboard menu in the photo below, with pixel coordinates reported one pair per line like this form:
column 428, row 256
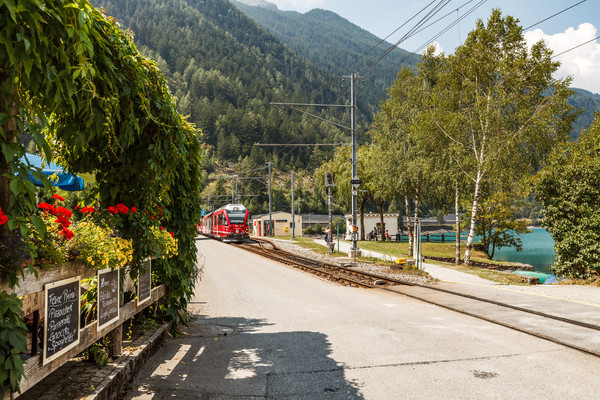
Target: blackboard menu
column 61, row 322
column 145, row 282
column 108, row 297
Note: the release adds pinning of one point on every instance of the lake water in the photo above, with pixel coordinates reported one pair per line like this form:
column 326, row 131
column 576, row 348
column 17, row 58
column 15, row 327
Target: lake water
column 538, row 250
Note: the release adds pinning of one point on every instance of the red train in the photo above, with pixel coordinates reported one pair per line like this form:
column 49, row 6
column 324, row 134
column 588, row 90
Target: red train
column 229, row 223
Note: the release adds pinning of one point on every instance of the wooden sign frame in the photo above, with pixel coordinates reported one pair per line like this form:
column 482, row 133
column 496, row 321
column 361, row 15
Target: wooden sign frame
column 113, row 291
column 145, row 278
column 73, row 309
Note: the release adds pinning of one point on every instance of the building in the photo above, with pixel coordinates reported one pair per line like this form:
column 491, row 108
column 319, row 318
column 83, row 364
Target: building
column 282, row 224
column 373, row 224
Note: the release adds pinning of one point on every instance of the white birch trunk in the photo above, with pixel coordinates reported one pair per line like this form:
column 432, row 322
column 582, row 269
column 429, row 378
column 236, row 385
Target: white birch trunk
column 408, row 225
column 469, row 244
column 457, row 208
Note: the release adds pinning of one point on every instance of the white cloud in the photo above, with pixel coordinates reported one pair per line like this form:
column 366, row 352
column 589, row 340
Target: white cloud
column 438, row 48
column 298, row 5
column 582, row 63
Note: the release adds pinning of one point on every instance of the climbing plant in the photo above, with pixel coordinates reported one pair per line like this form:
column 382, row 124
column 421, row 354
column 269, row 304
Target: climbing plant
column 73, row 79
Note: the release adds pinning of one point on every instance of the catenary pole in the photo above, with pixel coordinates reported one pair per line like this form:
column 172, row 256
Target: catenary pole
column 270, row 202
column 293, row 217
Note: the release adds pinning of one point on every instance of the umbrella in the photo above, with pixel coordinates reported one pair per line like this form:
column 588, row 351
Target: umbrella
column 65, row 181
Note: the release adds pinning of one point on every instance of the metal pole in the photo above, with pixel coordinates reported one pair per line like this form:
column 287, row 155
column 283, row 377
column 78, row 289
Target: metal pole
column 270, row 200
column 355, row 181
column 293, row 217
column 330, row 244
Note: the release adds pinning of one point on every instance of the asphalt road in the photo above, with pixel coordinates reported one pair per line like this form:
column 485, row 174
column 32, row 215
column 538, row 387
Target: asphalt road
column 267, row 331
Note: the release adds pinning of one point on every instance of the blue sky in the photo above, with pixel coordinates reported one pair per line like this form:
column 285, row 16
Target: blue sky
column 569, row 29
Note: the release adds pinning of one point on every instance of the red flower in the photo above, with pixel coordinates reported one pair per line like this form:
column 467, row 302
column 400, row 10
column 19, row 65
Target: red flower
column 47, row 207
column 64, row 222
column 3, row 217
column 122, row 208
column 64, row 211
column 89, row 209
column 133, row 209
column 58, row 197
column 77, row 207
column 68, row 235
column 172, row 235
column 113, row 210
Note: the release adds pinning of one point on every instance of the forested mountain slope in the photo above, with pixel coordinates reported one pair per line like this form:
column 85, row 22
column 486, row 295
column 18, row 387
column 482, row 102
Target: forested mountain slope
column 588, row 102
column 225, row 69
column 334, row 44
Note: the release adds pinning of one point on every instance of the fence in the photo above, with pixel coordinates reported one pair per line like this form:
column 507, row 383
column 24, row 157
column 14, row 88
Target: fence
column 449, row 237
column 42, row 295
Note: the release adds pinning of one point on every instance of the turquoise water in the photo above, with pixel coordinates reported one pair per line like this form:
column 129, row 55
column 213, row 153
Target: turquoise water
column 538, row 250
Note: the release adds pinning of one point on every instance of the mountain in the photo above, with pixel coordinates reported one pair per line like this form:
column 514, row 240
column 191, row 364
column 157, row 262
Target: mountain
column 225, row 70
column 334, row 44
column 588, row 103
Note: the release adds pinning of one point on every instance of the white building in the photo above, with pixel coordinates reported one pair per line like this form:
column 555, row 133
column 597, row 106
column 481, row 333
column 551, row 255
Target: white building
column 282, row 224
column 373, row 224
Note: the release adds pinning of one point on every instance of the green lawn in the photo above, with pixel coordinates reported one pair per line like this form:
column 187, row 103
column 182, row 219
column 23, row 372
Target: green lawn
column 400, row 250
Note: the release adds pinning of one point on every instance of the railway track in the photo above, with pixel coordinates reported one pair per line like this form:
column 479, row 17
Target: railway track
column 574, row 333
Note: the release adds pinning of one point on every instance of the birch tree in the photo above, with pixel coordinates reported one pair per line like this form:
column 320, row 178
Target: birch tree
column 497, row 108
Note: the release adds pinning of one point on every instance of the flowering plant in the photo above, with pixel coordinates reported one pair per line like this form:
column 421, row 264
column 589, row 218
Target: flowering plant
column 99, row 247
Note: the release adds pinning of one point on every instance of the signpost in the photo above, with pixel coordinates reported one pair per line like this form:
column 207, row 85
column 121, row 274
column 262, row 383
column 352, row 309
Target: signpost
column 61, row 322
column 108, row 297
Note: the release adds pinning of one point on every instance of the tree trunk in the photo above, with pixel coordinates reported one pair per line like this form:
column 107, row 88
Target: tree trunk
column 457, row 209
column 408, row 225
column 416, row 221
column 363, row 204
column 381, row 222
column 469, row 244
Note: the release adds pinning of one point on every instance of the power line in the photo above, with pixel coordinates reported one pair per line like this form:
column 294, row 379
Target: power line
column 573, row 48
column 554, row 15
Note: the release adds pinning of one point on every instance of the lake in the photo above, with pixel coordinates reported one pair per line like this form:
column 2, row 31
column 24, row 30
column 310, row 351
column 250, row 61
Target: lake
column 538, row 250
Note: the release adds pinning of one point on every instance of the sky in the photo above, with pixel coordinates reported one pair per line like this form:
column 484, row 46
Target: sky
column 562, row 32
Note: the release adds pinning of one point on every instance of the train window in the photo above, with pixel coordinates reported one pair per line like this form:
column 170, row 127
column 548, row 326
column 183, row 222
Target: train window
column 236, row 216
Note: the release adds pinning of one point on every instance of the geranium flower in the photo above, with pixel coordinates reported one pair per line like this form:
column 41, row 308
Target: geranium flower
column 47, row 207
column 133, row 209
column 58, row 197
column 64, row 211
column 68, row 235
column 63, row 221
column 122, row 208
column 3, row 217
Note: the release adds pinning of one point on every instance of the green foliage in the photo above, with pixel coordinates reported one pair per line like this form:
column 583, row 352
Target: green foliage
column 71, row 78
column 569, row 189
column 339, row 223
column 98, row 352
column 497, row 224
column 12, row 341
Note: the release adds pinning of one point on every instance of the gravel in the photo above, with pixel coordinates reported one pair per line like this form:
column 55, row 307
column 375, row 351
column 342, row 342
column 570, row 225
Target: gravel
column 382, row 270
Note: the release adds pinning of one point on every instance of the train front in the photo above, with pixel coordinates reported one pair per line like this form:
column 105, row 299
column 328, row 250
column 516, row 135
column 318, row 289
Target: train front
column 239, row 218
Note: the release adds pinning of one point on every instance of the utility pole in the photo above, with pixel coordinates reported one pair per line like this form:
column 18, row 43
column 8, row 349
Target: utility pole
column 270, row 199
column 293, row 217
column 355, row 181
column 329, row 188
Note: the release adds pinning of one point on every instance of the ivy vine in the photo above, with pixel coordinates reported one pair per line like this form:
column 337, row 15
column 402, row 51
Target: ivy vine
column 74, row 80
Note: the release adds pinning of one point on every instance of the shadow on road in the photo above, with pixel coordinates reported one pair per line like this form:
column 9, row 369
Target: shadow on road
column 238, row 358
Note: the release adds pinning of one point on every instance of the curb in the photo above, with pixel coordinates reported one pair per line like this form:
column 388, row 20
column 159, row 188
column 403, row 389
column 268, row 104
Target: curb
column 128, row 365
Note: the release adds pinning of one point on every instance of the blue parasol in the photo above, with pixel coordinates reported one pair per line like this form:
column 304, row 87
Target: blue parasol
column 65, row 180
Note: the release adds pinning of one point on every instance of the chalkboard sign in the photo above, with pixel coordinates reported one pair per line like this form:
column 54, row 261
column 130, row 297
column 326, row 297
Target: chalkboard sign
column 108, row 297
column 61, row 322
column 145, row 282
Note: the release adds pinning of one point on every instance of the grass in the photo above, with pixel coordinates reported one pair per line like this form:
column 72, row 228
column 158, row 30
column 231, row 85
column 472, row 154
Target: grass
column 400, row 250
